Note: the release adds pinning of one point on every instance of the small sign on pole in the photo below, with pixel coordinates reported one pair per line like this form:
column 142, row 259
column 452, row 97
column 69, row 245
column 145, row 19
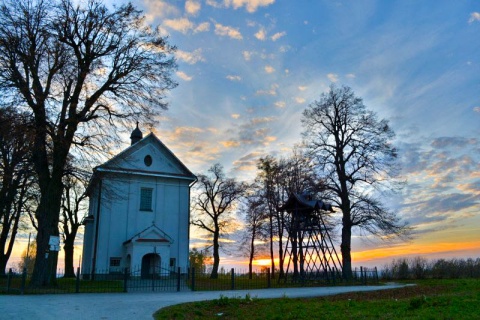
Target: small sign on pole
column 54, row 243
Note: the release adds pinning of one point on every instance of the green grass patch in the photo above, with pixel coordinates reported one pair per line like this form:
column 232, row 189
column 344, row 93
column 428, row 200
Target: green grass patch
column 65, row 285
column 428, row 299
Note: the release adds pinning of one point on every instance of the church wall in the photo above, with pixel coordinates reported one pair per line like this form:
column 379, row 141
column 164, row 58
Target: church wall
column 121, row 218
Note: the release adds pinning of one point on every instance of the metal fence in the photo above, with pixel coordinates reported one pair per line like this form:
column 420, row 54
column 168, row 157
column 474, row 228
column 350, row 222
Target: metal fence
column 177, row 279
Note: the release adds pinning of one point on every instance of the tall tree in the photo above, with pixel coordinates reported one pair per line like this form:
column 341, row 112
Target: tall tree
column 73, row 204
column 277, row 179
column 213, row 207
column 354, row 152
column 255, row 225
column 80, row 69
column 16, row 177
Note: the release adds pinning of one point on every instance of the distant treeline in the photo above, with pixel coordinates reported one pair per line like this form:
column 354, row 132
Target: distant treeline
column 421, row 268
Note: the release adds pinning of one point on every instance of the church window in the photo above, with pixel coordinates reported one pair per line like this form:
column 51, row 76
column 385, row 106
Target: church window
column 114, row 262
column 148, row 160
column 146, row 199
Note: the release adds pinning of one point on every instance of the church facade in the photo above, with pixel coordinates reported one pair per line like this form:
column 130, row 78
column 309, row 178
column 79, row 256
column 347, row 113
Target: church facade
column 139, row 211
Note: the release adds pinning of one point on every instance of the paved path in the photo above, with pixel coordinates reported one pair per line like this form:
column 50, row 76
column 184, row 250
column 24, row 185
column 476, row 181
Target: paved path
column 123, row 306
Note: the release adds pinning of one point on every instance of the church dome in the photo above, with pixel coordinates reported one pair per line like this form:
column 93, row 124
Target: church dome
column 136, row 135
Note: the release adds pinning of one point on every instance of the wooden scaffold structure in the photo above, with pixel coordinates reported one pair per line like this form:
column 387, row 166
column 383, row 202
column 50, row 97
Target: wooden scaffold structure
column 309, row 251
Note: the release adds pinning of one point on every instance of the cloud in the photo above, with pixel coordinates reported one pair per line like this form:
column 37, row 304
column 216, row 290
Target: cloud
column 350, row 76
column 472, row 187
column 250, row 5
column 272, row 91
column 184, row 25
column 251, row 133
column 235, row 115
column 445, row 142
column 159, row 9
column 190, row 57
column 261, row 34
column 233, row 77
column 192, row 7
column 269, row 69
column 248, row 162
column 443, row 182
column 302, row 88
column 231, row 32
column 230, row 143
column 299, row 100
column 247, row 55
column 182, row 75
column 332, row 77
column 202, row 27
column 474, row 16
column 453, row 202
column 198, row 147
column 278, row 35
column 476, row 109
column 280, row 104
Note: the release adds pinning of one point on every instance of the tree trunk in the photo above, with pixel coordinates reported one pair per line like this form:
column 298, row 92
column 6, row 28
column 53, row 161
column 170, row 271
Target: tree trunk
column 280, row 247
column 252, row 254
column 3, row 264
column 47, row 214
column 69, row 254
column 5, row 254
column 216, row 254
column 272, row 254
column 346, row 250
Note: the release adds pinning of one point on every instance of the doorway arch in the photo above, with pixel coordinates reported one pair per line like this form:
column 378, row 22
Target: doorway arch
column 150, row 265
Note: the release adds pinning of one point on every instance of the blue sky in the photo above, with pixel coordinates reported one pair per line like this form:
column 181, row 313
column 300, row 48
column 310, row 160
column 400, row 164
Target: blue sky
column 248, row 68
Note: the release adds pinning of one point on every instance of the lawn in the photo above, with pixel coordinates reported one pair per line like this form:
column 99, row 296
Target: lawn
column 429, row 299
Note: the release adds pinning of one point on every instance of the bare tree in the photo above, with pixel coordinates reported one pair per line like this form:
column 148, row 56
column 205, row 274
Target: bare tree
column 80, row 69
column 255, row 225
column 214, row 205
column 73, row 204
column 354, row 152
column 16, row 176
column 278, row 178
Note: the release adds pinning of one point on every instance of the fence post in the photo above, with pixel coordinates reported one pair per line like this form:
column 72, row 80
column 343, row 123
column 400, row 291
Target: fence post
column 24, row 278
column 376, row 275
column 178, row 279
column 77, row 281
column 233, row 278
column 193, row 278
column 361, row 275
column 125, row 279
column 9, row 279
column 269, row 281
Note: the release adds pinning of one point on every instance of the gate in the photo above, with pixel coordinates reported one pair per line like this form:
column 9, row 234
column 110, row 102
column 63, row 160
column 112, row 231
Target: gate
column 156, row 278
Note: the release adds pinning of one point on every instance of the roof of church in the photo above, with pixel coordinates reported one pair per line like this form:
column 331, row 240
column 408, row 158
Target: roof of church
column 117, row 163
column 110, row 165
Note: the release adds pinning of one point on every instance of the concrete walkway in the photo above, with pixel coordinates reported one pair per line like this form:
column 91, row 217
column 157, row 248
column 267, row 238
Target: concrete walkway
column 123, row 306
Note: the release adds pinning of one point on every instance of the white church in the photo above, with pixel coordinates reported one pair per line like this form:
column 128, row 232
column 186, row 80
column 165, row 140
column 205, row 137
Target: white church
column 139, row 211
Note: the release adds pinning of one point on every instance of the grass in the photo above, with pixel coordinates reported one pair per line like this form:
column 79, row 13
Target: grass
column 429, row 299
column 67, row 285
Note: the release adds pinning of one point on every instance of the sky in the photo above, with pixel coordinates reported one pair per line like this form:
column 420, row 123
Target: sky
column 248, row 68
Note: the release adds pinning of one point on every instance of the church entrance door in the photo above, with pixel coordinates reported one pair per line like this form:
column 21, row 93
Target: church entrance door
column 150, row 265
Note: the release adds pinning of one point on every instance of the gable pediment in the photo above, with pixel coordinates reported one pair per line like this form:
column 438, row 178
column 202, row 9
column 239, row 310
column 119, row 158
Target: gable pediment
column 152, row 234
column 148, row 156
